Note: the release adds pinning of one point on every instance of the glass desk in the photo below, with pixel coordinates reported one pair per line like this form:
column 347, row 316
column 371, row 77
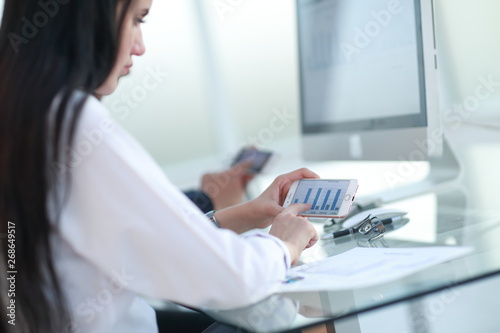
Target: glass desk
column 434, row 219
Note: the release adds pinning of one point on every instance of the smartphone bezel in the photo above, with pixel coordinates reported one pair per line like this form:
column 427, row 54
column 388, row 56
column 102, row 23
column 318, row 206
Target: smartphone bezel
column 347, row 201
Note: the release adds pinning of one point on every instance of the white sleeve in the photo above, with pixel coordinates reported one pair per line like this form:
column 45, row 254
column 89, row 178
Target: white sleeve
column 122, row 213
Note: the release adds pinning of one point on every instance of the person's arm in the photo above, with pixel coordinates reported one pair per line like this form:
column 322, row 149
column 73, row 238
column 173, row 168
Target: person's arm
column 260, row 212
column 227, row 188
column 123, row 214
column 220, row 190
column 201, row 200
column 295, row 231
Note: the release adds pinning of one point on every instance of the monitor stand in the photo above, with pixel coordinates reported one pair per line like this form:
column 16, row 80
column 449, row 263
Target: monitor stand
column 444, row 171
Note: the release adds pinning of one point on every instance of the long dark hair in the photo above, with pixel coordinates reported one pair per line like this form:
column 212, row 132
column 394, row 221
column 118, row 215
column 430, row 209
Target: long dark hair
column 48, row 49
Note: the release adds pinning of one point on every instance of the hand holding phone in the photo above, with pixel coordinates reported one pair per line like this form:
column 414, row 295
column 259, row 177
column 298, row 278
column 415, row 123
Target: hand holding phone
column 328, row 197
column 259, row 158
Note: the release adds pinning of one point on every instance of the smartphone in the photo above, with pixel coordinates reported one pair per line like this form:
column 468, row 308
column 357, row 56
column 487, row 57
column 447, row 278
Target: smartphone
column 259, row 158
column 328, row 197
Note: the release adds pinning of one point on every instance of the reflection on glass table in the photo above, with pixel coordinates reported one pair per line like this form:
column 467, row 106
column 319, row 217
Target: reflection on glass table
column 439, row 219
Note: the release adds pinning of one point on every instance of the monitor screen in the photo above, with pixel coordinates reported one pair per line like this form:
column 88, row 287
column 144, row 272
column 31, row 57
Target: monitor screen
column 367, row 66
column 362, row 65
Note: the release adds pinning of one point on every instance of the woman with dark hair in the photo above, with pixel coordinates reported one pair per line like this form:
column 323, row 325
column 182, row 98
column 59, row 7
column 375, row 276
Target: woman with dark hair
column 88, row 220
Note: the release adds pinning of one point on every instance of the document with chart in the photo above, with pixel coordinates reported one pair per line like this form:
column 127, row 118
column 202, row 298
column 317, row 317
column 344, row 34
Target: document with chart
column 363, row 267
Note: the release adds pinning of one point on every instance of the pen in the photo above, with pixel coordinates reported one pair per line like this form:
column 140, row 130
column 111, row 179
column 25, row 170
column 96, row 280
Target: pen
column 350, row 231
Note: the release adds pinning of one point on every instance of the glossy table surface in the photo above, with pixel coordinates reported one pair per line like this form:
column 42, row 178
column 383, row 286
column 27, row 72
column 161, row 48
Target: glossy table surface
column 461, row 214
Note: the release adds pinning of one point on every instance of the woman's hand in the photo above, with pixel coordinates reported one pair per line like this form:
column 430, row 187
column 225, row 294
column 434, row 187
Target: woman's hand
column 260, row 212
column 227, row 188
column 270, row 203
column 295, row 231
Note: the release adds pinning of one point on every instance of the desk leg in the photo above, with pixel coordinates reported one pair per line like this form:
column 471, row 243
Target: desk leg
column 347, row 325
column 418, row 319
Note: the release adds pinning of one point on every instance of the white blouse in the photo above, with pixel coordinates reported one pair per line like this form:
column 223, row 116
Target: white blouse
column 125, row 232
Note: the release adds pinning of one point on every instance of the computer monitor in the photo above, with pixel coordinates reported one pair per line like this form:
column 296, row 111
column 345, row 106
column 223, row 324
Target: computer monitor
column 369, row 82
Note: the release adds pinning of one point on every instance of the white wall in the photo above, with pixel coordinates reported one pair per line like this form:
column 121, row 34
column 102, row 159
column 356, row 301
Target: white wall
column 255, row 49
column 186, row 123
column 469, row 46
column 170, row 116
column 189, row 126
column 254, row 53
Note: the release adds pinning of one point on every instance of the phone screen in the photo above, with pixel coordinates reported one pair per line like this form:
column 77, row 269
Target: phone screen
column 325, row 196
column 259, row 159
